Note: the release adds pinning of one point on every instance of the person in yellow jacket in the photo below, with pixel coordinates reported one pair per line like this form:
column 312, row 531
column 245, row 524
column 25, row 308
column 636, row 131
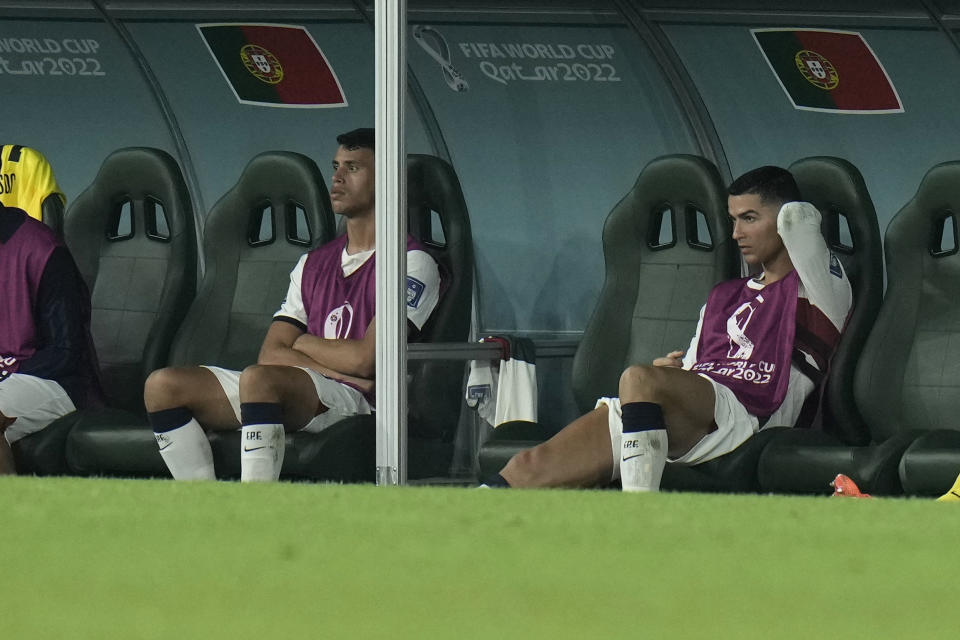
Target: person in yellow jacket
column 26, row 180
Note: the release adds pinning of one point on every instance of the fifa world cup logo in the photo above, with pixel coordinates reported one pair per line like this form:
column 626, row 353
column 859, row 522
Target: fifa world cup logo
column 741, row 347
column 435, row 45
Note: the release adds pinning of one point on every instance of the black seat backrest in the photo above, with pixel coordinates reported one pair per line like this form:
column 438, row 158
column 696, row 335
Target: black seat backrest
column 437, row 216
column 278, row 210
column 665, row 244
column 132, row 235
column 851, row 230
column 909, row 373
column 27, row 182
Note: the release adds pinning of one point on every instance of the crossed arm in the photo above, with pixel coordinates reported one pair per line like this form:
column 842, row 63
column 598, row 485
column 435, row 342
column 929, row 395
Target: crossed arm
column 350, row 361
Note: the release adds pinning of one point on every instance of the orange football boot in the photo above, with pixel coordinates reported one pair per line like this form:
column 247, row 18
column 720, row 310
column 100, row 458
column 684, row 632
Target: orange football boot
column 846, row 488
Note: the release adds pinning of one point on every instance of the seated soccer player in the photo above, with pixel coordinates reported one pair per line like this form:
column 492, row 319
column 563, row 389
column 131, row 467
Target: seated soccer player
column 316, row 364
column 47, row 361
column 761, row 344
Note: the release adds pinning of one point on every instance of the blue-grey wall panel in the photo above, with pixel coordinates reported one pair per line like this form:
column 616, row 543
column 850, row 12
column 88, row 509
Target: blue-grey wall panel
column 223, row 135
column 758, row 125
column 555, row 126
column 72, row 90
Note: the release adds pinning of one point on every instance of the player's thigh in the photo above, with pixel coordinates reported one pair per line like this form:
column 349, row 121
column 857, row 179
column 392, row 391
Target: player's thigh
column 291, row 387
column 340, row 400
column 210, row 393
column 734, row 426
column 687, row 400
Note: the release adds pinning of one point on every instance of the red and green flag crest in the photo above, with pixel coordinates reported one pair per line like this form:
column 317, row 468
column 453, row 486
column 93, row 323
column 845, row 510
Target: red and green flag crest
column 273, row 65
column 828, row 70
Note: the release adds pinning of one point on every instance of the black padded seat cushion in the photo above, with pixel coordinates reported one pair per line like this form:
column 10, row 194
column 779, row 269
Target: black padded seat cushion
column 43, row 453
column 806, row 461
column 839, row 192
column 435, row 386
column 51, row 211
column 931, row 463
column 227, row 321
column 116, row 443
column 226, row 324
column 244, row 283
column 909, row 374
column 907, row 383
column 141, row 285
column 652, row 292
column 653, row 287
column 734, row 472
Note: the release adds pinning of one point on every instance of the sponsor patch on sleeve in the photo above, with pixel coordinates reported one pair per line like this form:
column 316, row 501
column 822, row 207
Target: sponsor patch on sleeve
column 415, row 290
column 835, row 267
column 477, row 393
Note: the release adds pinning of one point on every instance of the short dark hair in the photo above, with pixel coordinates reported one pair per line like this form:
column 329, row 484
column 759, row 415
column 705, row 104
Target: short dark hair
column 356, row 139
column 773, row 184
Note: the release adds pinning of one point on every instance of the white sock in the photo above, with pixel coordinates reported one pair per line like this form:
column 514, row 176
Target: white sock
column 186, row 451
column 261, row 452
column 643, row 456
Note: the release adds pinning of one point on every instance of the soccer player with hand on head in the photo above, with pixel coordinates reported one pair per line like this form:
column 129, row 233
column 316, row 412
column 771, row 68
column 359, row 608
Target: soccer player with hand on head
column 759, row 351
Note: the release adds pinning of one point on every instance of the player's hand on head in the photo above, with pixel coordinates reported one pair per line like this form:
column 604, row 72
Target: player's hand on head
column 672, row 359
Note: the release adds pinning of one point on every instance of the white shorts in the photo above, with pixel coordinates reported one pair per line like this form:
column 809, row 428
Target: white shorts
column 34, row 402
column 734, row 426
column 341, row 400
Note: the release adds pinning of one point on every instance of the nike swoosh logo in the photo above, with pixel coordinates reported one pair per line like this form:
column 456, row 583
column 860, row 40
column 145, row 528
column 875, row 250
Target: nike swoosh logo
column 167, row 446
column 636, row 455
column 255, row 448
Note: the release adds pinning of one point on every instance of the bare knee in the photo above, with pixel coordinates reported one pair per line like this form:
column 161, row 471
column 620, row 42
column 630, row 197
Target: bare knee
column 261, row 383
column 642, row 383
column 164, row 389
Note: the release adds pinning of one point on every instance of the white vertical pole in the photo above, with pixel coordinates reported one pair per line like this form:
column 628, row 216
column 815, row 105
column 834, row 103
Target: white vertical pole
column 390, row 28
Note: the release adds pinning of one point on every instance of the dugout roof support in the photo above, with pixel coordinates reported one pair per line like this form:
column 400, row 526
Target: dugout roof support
column 390, row 27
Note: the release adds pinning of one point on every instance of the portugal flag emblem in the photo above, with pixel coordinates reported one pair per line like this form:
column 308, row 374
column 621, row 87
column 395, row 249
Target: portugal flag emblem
column 273, row 65
column 825, row 70
column 261, row 63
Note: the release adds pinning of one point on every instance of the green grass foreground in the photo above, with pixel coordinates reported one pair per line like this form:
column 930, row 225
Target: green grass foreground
column 119, row 559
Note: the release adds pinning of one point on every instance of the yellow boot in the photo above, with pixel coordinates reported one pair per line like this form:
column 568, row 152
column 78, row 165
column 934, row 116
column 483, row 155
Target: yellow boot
column 953, row 495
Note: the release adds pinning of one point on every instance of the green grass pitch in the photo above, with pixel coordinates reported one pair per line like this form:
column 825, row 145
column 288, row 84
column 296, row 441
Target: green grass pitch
column 132, row 559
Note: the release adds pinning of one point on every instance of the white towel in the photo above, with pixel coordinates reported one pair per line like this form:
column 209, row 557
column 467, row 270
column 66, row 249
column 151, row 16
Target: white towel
column 505, row 390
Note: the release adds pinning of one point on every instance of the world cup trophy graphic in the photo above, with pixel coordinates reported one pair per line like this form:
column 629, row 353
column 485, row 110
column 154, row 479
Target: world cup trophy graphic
column 436, row 47
column 741, row 347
